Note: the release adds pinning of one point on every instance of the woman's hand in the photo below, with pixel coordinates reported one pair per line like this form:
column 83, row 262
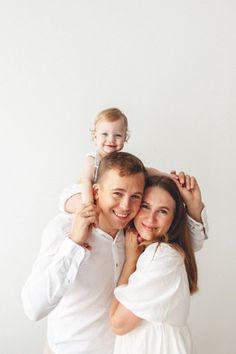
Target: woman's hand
column 191, row 194
column 133, row 248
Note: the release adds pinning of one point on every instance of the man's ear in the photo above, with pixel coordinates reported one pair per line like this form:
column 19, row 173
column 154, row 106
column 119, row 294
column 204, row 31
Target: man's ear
column 96, row 190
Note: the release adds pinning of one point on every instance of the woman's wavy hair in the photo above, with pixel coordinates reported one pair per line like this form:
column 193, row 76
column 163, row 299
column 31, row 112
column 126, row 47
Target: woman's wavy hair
column 178, row 234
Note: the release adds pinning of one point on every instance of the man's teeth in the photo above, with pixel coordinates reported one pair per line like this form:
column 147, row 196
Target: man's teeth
column 121, row 215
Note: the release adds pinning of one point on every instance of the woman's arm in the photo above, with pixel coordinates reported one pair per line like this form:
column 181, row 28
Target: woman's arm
column 122, row 320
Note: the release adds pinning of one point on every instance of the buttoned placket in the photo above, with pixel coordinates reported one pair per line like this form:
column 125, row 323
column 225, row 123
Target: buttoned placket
column 116, row 259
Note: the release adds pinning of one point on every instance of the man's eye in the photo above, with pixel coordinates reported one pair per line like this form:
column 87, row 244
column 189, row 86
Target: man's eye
column 138, row 197
column 104, row 134
column 118, row 135
column 117, row 193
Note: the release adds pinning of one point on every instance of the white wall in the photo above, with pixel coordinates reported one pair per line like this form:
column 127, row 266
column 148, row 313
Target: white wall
column 170, row 65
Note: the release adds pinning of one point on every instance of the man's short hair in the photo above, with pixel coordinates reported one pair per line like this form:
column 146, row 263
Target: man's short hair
column 126, row 163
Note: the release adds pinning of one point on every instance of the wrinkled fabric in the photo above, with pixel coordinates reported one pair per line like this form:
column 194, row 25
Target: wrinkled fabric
column 157, row 292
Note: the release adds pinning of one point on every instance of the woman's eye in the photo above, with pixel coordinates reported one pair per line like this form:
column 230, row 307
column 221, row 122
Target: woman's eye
column 163, row 211
column 144, row 206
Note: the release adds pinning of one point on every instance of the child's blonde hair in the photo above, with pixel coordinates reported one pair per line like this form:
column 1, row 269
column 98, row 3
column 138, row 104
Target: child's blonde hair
column 111, row 115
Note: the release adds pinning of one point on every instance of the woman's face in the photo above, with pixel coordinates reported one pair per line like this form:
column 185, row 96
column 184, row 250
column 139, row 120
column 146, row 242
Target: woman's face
column 156, row 213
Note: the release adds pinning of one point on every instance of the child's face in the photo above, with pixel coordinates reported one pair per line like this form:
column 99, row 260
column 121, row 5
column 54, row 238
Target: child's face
column 109, row 136
column 156, row 214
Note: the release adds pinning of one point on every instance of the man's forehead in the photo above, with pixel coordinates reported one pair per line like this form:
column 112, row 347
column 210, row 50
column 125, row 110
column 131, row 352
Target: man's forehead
column 115, row 180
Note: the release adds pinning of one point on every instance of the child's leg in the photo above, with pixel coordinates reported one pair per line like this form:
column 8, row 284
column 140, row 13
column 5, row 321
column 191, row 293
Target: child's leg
column 47, row 350
column 73, row 204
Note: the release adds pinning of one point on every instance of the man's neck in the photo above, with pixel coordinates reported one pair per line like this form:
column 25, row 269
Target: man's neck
column 107, row 230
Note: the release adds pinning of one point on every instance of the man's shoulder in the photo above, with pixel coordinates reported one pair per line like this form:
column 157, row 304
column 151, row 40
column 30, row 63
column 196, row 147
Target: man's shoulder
column 58, row 228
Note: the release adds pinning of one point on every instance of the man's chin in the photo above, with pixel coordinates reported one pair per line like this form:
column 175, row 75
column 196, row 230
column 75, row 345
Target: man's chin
column 120, row 224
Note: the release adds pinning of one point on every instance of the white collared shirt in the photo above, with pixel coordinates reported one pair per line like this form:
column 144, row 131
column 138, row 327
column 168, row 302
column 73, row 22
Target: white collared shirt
column 77, row 285
column 74, row 286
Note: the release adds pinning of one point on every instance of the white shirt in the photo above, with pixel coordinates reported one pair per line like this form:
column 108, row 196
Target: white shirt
column 74, row 286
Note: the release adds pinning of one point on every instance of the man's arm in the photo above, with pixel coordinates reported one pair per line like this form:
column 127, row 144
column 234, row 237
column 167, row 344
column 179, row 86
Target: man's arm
column 53, row 273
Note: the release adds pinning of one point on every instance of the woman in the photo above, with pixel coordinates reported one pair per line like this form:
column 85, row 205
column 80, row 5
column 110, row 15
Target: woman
column 151, row 304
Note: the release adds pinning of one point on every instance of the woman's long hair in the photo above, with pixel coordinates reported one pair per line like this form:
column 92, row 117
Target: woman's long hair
column 178, row 234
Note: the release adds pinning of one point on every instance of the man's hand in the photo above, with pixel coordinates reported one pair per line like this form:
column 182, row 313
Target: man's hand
column 83, row 222
column 190, row 192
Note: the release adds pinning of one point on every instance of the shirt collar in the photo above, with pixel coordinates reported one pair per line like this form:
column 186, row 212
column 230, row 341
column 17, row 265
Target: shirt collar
column 100, row 232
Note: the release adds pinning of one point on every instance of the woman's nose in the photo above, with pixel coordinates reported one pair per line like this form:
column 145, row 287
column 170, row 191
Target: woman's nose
column 151, row 219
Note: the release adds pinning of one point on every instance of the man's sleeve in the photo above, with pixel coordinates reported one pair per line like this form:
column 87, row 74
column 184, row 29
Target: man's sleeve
column 53, row 273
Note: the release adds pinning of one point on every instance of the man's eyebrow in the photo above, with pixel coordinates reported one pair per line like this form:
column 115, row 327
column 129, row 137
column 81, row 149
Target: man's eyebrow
column 118, row 189
column 139, row 193
column 123, row 190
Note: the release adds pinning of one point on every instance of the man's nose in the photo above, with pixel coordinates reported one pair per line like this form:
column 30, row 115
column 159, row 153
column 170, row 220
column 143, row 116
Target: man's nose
column 125, row 203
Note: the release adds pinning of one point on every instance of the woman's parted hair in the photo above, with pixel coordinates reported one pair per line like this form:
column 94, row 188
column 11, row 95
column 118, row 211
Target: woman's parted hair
column 178, row 234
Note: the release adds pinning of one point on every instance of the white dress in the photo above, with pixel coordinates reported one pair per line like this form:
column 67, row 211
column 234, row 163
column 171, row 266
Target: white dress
column 157, row 292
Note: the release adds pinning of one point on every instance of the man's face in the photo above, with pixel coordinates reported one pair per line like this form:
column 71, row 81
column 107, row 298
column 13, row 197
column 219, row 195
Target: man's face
column 118, row 199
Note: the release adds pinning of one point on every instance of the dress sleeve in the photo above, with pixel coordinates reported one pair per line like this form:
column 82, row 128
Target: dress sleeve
column 198, row 231
column 155, row 285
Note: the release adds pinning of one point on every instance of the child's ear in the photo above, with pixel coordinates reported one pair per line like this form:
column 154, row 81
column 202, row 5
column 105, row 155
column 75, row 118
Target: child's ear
column 93, row 135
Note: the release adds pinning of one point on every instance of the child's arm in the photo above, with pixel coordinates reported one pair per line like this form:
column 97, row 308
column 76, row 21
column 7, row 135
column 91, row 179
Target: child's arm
column 73, row 197
column 86, row 181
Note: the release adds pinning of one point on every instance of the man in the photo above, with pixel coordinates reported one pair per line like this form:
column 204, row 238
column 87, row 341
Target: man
column 74, row 276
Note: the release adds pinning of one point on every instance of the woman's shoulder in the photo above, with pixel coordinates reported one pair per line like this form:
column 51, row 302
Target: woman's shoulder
column 163, row 251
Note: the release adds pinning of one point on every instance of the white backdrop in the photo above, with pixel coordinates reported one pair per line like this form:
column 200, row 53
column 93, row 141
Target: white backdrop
column 170, row 66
